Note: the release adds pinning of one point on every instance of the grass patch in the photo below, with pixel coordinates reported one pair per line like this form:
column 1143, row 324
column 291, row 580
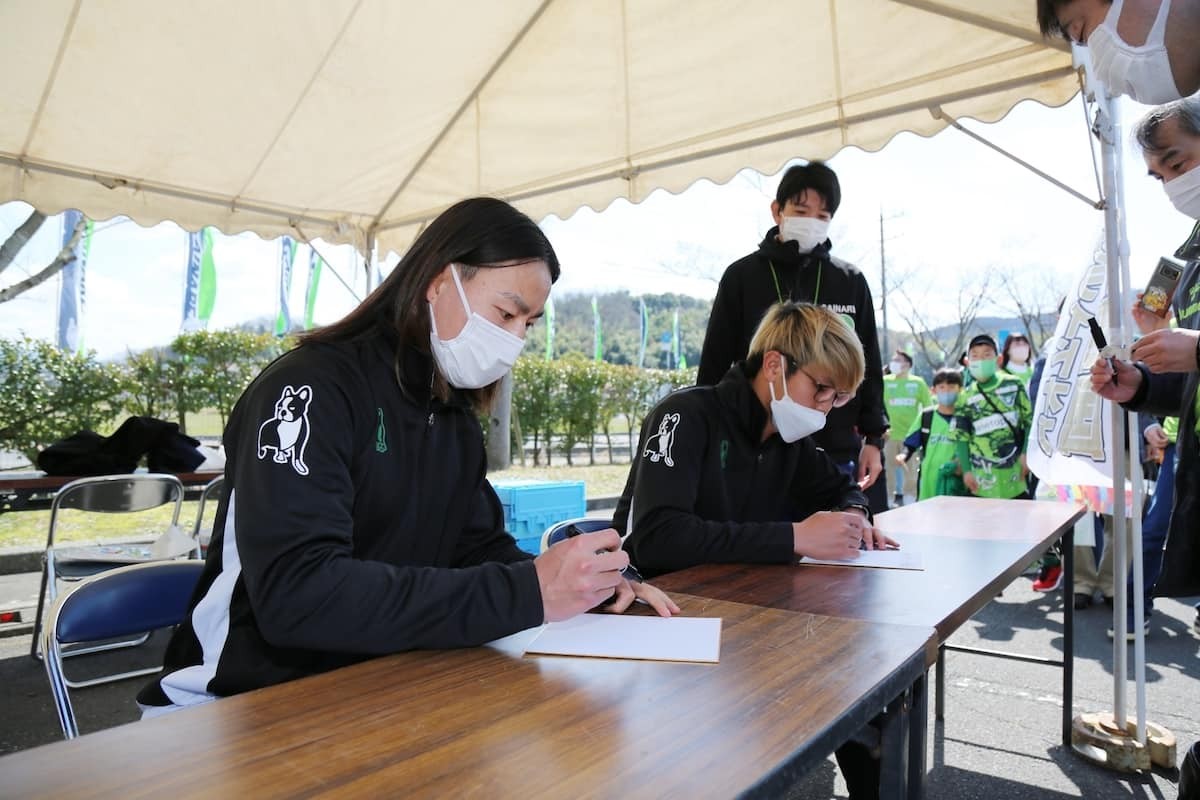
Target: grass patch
column 27, row 529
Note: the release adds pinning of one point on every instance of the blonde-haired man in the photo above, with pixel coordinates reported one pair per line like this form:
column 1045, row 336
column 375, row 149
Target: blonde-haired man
column 727, row 473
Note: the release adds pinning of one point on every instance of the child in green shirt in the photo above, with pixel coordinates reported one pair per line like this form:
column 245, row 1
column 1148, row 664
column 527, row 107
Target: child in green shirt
column 937, row 433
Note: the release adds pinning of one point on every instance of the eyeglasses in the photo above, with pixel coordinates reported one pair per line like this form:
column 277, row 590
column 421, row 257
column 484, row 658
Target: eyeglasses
column 825, row 393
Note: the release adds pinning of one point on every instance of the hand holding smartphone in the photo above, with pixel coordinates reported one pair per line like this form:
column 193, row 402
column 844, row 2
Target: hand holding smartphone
column 1161, row 288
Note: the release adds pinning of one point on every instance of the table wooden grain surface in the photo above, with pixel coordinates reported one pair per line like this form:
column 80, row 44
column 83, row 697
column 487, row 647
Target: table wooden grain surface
column 488, row 722
column 971, row 548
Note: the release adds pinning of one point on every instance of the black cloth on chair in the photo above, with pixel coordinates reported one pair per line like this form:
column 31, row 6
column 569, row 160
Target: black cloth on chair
column 89, row 453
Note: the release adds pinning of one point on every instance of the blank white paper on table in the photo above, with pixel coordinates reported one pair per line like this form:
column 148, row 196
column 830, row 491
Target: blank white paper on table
column 619, row 636
column 907, row 557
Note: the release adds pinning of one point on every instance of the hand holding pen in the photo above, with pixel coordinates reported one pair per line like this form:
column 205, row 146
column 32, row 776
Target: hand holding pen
column 632, row 587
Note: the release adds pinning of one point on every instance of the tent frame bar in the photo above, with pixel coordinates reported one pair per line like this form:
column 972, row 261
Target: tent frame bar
column 987, row 23
column 938, row 113
column 630, row 173
column 110, row 181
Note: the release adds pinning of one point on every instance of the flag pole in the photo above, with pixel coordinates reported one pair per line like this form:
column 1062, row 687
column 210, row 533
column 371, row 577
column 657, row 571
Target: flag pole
column 1110, row 741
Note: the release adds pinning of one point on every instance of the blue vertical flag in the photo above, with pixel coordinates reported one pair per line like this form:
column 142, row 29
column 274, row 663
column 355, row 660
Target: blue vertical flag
column 597, row 335
column 645, row 325
column 287, row 255
column 72, row 295
column 549, row 328
column 310, row 294
column 200, row 285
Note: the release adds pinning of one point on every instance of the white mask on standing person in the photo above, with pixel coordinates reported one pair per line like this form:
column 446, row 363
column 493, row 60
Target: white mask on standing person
column 481, row 353
column 792, row 420
column 1144, row 71
column 896, row 367
column 1184, row 192
column 1018, row 353
column 806, row 232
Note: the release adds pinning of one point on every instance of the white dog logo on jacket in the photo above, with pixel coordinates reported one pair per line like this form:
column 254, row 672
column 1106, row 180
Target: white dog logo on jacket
column 287, row 432
column 658, row 446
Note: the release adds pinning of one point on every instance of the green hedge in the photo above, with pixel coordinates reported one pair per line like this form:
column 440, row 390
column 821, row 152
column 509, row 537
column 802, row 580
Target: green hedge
column 50, row 395
column 574, row 399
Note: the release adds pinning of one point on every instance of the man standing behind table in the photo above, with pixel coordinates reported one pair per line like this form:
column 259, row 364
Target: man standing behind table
column 793, row 262
column 1165, row 377
column 904, row 395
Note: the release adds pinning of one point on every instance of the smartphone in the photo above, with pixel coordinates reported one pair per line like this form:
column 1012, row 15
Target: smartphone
column 1161, row 288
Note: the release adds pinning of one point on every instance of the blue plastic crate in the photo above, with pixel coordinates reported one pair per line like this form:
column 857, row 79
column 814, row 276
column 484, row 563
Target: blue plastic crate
column 533, row 544
column 532, row 506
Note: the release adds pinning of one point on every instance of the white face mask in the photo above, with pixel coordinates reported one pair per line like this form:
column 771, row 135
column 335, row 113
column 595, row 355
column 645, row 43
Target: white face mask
column 1018, row 353
column 1142, row 72
column 897, row 367
column 806, row 232
column 1184, row 192
column 792, row 420
column 480, row 354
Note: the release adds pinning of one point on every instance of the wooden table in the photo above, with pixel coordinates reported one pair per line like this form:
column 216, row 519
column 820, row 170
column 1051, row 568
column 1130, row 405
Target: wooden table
column 488, row 722
column 972, row 548
column 33, row 491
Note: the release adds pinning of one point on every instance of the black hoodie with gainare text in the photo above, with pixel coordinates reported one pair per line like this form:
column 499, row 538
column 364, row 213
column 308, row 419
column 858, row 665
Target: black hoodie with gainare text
column 778, row 271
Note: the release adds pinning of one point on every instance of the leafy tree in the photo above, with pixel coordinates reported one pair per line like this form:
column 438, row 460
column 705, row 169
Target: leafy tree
column 49, row 394
column 535, row 400
column 148, row 383
column 219, row 365
column 582, row 383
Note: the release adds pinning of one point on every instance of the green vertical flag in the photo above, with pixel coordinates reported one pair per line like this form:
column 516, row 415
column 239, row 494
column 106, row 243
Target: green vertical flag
column 207, row 295
column 287, row 257
column 675, row 340
column 549, row 328
column 597, row 335
column 315, row 262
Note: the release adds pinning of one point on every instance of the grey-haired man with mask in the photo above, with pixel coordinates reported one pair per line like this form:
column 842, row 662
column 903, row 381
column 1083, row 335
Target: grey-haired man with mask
column 1164, row 377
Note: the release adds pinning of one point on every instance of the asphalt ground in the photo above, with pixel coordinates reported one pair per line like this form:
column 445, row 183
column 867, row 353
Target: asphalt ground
column 999, row 740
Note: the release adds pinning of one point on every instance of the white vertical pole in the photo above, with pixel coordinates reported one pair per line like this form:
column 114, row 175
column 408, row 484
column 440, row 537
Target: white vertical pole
column 1135, row 478
column 1110, row 154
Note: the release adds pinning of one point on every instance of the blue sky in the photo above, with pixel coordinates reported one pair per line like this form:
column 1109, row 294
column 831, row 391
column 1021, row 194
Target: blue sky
column 953, row 211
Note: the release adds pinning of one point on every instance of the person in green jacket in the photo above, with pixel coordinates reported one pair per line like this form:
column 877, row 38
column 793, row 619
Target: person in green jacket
column 998, row 417
column 904, row 394
column 937, row 434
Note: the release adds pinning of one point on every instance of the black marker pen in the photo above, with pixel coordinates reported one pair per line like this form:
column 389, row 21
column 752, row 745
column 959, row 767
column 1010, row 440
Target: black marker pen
column 1102, row 344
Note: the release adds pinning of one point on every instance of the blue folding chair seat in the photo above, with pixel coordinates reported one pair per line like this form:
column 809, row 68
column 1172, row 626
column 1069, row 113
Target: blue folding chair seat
column 120, row 602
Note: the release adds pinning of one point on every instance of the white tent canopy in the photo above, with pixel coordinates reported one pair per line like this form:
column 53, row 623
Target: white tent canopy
column 348, row 120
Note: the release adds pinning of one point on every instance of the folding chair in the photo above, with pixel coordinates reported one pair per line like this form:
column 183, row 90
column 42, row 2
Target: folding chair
column 211, row 492
column 127, row 600
column 107, row 494
column 558, row 531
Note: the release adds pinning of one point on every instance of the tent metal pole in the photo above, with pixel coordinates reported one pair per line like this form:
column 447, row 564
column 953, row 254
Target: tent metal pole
column 116, row 182
column 605, row 172
column 986, row 23
column 1109, row 129
column 938, row 113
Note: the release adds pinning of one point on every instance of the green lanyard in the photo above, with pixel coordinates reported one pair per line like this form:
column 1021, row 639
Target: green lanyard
column 779, row 292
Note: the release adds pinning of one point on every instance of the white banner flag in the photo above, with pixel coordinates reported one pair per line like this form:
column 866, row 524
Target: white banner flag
column 1071, row 449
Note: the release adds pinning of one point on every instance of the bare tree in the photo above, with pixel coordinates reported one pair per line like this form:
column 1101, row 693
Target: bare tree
column 691, row 260
column 931, row 346
column 19, row 238
column 1034, row 295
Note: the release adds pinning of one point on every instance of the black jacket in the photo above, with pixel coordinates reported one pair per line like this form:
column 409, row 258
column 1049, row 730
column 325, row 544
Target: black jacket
column 356, row 520
column 706, row 489
column 779, row 271
column 1174, row 394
